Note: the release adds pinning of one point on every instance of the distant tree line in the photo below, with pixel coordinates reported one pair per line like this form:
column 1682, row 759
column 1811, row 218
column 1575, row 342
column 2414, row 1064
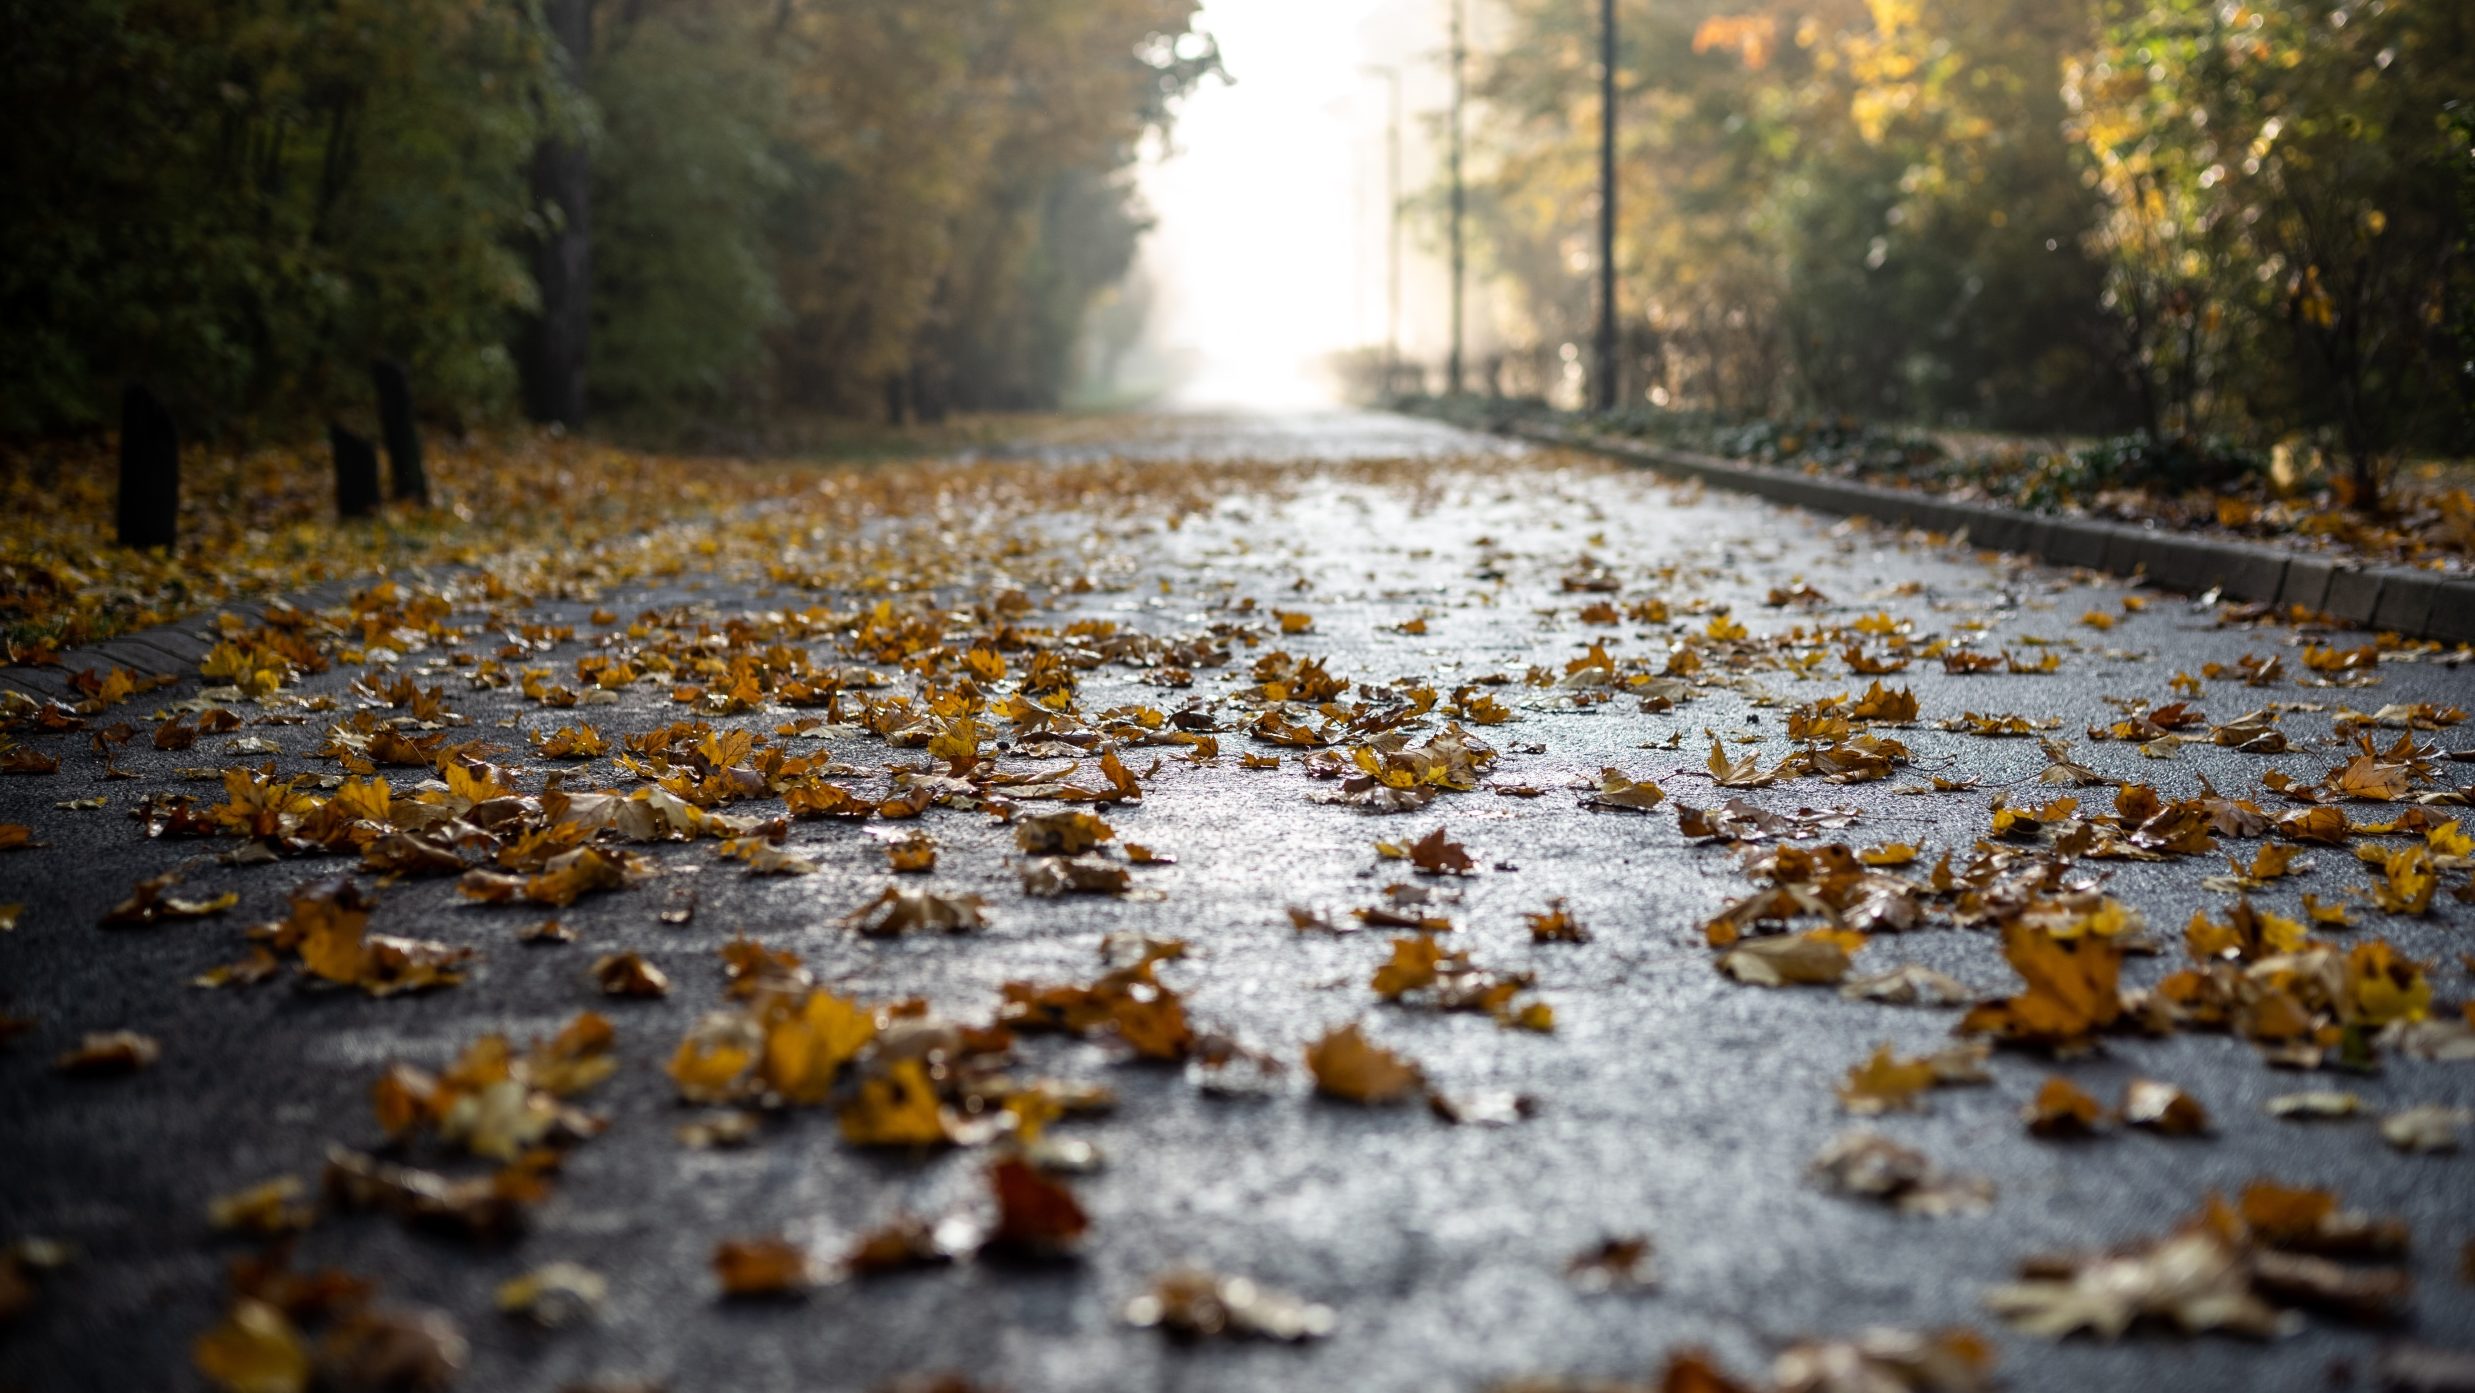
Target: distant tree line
column 2180, row 217
column 658, row 207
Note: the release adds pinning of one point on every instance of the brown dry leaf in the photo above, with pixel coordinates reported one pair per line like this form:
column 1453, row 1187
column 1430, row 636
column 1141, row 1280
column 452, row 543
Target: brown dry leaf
column 1084, row 875
column 555, row 1294
column 1193, row 1304
column 896, row 1107
column 1069, row 833
column 109, row 1053
column 715, row 1131
column 762, row 1267
column 1414, row 963
column 1818, row 958
column 328, row 928
column 546, row 931
column 2072, row 991
column 2062, row 1109
column 253, row 1349
column 1036, row 1216
column 1348, row 1066
column 1867, row 1165
column 2315, row 1105
column 2321, row 824
column 268, row 1209
column 2247, row 935
column 1492, row 1107
column 908, row 1243
column 896, row 911
column 1885, row 1083
column 2313, row 1221
column 1617, row 791
column 1909, row 984
column 2060, row 768
column 1888, row 1361
column 1437, row 854
column 1556, row 924
column 1888, row 1083
column 1744, row 773
column 914, row 853
column 150, row 902
column 2430, row 1129
column 2407, row 880
column 2196, row 1280
column 1621, row 1263
column 763, row 857
column 629, row 975
column 2164, row 1109
column 487, row 1208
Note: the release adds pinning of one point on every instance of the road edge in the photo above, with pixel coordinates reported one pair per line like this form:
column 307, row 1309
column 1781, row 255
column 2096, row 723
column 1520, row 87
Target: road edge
column 2395, row 599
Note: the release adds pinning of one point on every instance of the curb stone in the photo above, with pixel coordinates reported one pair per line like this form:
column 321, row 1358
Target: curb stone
column 2398, row 599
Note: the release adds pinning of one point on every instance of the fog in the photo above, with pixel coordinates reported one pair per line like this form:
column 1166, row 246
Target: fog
column 1269, row 250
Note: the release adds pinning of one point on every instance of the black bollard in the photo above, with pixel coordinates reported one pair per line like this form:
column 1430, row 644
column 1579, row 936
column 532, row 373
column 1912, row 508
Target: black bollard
column 397, row 428
column 356, row 473
column 149, row 513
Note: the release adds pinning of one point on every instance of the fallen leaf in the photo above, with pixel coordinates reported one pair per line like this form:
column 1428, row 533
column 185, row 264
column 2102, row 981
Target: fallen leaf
column 1622, row 1263
column 1036, row 1216
column 1867, row 1165
column 555, row 1294
column 762, row 1267
column 105, row 1054
column 1348, row 1066
column 253, row 1349
column 2428, row 1129
column 629, row 975
column 2162, row 1108
column 1193, row 1304
column 1819, row 958
column 2062, row 1109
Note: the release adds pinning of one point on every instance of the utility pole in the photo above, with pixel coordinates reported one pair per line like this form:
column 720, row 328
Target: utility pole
column 1460, row 63
column 1603, row 389
column 1392, row 193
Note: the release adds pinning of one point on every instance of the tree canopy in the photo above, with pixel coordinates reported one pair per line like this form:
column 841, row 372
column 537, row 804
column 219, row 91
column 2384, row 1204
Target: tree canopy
column 2180, row 216
column 819, row 203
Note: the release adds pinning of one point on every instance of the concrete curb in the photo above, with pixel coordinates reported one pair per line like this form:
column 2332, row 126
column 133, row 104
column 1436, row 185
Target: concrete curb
column 173, row 648
column 2417, row 604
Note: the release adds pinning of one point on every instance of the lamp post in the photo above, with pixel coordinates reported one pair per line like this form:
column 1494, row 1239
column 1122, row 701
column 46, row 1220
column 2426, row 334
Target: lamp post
column 1392, row 194
column 1603, row 389
column 1460, row 63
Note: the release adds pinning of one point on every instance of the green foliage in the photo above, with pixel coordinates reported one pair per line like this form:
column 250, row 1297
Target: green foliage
column 2184, row 216
column 684, row 176
column 242, row 202
column 810, row 201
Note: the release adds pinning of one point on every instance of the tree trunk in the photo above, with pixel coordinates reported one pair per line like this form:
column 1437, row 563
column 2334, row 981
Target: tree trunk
column 554, row 348
column 401, row 431
column 149, row 502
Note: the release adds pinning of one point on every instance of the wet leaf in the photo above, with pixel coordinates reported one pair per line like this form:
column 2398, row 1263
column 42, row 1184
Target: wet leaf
column 762, row 1268
column 108, row 1054
column 2061, row 1109
column 1348, row 1066
column 2163, row 1108
column 254, row 1349
column 1866, row 1165
column 1193, row 1304
column 1816, row 959
column 553, row 1295
column 1036, row 1216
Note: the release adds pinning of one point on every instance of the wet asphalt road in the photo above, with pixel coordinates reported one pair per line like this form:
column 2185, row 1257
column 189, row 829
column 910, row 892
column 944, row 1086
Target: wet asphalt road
column 1671, row 1100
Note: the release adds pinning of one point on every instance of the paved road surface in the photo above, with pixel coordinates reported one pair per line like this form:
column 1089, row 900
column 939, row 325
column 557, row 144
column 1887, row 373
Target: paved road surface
column 1670, row 1100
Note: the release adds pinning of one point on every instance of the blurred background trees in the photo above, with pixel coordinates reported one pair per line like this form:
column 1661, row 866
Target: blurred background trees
column 2182, row 217
column 853, row 205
